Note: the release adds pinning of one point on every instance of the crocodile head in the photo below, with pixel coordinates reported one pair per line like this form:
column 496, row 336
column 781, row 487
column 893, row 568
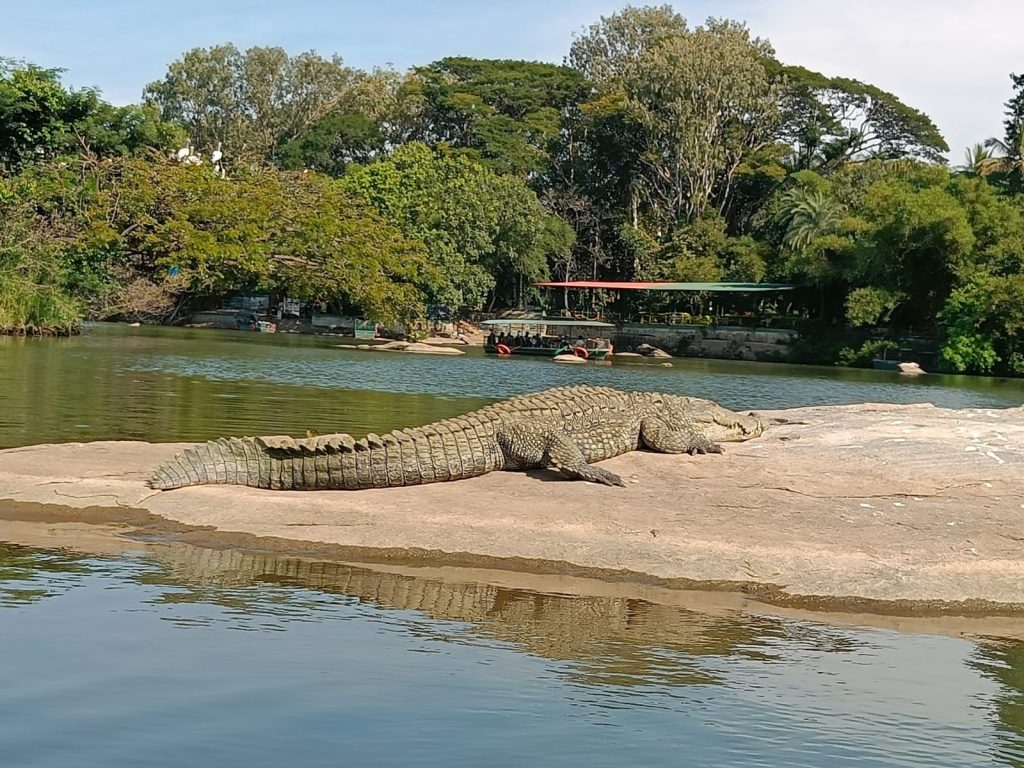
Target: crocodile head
column 717, row 424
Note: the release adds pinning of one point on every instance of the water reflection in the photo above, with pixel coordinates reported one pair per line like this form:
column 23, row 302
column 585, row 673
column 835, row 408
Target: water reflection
column 1005, row 663
column 618, row 641
column 483, row 668
column 30, row 575
column 171, row 384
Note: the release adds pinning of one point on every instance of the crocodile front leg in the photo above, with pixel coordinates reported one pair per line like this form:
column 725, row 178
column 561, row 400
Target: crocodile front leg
column 660, row 437
column 529, row 446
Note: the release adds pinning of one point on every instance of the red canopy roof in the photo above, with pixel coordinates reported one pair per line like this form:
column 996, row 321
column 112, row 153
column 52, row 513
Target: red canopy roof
column 605, row 285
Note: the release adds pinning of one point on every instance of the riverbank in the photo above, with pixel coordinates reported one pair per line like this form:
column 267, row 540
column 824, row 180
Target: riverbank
column 40, row 331
column 869, row 507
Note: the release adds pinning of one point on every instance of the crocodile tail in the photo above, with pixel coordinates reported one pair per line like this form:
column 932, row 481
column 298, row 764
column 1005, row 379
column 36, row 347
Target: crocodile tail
column 229, row 460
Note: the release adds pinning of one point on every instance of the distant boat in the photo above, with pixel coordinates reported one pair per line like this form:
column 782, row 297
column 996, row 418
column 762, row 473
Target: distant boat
column 552, row 334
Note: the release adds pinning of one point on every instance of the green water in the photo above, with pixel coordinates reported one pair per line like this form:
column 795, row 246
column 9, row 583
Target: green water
column 175, row 655
column 170, row 384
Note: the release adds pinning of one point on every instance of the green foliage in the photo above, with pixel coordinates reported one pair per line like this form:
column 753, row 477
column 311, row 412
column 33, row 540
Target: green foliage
column 609, row 52
column 485, row 233
column 507, row 112
column 871, row 305
column 40, row 119
column 702, row 252
column 866, row 353
column 701, row 102
column 254, row 102
column 36, row 114
column 307, row 235
column 915, row 243
column 1014, row 122
column 834, row 120
column 984, row 321
column 150, row 235
column 31, row 290
column 332, row 143
column 661, row 151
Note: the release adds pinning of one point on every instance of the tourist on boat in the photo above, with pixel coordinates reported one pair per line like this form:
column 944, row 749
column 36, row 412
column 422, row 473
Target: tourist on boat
column 518, row 340
column 581, row 342
column 492, row 340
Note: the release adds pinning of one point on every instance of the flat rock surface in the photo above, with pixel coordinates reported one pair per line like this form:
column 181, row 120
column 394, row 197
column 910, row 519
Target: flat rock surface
column 881, row 502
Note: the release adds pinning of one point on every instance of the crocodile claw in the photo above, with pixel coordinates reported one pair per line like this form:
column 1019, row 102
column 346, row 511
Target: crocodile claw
column 603, row 476
column 706, row 448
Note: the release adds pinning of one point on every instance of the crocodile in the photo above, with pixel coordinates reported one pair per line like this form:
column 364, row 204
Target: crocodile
column 566, row 428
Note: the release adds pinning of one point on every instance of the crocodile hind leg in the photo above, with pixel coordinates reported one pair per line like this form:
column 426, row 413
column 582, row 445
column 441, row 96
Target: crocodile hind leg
column 660, row 437
column 529, row 446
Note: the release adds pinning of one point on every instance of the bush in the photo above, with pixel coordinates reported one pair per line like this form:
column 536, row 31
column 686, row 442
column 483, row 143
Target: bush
column 868, row 352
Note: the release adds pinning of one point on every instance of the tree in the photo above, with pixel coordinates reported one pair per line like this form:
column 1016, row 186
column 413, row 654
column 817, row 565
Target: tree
column 705, row 103
column 810, row 214
column 508, row 113
column 32, row 295
column 35, row 114
column 914, row 242
column 251, row 103
column 980, row 160
column 330, row 144
column 609, row 53
column 483, row 231
column 684, row 108
column 832, row 120
column 997, row 222
column 1014, row 122
column 984, row 321
column 40, row 119
column 815, row 233
column 182, row 231
column 1008, row 158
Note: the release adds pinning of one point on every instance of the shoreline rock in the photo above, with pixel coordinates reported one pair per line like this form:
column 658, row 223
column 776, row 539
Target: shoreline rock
column 410, row 347
column 881, row 505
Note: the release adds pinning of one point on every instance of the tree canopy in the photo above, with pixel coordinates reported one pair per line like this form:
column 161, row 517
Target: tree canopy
column 659, row 149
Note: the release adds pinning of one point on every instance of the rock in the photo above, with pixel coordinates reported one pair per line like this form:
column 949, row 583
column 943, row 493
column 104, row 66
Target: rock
column 626, row 354
column 412, row 347
column 419, row 348
column 910, row 369
column 650, row 351
column 666, row 365
column 570, row 359
column 844, row 502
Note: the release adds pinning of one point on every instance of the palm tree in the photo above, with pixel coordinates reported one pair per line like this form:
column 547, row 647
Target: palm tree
column 808, row 214
column 1009, row 155
column 980, row 160
column 813, row 219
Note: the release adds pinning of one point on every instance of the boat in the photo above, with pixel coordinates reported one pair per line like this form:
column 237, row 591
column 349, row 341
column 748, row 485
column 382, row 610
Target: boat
column 557, row 337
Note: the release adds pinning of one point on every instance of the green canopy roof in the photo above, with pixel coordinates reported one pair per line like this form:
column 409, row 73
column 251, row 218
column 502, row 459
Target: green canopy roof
column 726, row 287
column 535, row 321
column 660, row 286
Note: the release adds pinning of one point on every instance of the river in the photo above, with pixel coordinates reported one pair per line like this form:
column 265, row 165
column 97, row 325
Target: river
column 161, row 653
column 168, row 384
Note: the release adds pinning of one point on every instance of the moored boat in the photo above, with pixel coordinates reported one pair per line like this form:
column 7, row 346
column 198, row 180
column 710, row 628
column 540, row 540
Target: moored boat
column 541, row 337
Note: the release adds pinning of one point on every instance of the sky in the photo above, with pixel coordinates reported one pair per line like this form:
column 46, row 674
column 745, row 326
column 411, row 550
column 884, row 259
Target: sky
column 948, row 58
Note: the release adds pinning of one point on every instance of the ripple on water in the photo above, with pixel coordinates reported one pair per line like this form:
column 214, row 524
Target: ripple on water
column 476, row 376
column 193, row 656
column 177, row 384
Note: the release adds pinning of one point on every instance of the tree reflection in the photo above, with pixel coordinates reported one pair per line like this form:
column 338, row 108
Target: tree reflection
column 604, row 640
column 1005, row 663
column 29, row 575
